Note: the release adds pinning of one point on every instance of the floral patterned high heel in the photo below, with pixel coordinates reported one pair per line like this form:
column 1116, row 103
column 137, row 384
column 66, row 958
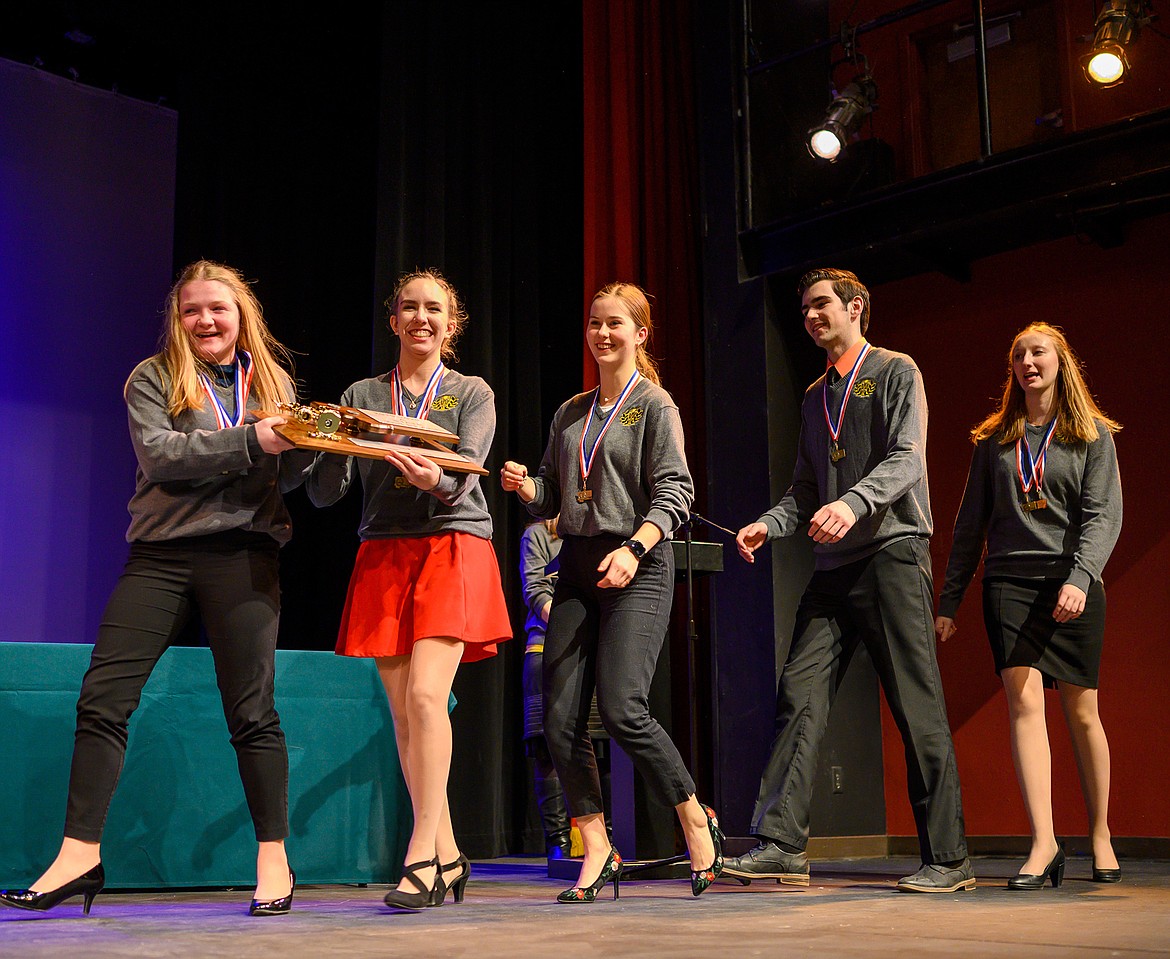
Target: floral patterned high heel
column 702, row 878
column 611, row 870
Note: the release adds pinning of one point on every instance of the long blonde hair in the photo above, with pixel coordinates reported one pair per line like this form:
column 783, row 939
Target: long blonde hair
column 637, row 303
column 1077, row 413
column 272, row 382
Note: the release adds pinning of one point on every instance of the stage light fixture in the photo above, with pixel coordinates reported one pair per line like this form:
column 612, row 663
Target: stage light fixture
column 1118, row 25
column 843, row 117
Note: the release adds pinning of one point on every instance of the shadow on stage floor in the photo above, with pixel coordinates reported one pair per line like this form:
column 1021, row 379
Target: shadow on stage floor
column 850, row 909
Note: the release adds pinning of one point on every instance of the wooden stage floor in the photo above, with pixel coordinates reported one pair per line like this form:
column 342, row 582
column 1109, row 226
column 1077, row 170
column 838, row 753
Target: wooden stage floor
column 851, row 909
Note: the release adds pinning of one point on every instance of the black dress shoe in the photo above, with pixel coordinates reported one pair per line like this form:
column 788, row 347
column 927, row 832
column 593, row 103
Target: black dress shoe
column 87, row 885
column 1106, row 875
column 1054, row 871
column 769, row 861
column 935, row 877
column 275, row 907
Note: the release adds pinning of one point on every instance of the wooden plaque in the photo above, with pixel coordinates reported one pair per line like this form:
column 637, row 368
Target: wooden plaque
column 348, row 431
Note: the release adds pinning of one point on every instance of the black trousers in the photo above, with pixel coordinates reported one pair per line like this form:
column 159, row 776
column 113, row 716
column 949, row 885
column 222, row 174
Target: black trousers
column 884, row 601
column 608, row 639
column 230, row 580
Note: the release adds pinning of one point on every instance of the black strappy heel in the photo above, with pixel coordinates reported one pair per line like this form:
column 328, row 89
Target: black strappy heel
column 425, row 897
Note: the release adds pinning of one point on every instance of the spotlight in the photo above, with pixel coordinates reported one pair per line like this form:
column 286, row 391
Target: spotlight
column 828, row 139
column 1117, row 26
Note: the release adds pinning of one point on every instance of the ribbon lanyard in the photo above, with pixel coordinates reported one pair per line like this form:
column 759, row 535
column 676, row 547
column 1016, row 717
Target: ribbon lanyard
column 398, row 404
column 835, row 451
column 1032, row 476
column 244, row 370
column 584, row 494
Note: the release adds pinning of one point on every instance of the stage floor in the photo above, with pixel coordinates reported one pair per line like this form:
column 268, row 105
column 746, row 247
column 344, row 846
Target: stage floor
column 850, row 909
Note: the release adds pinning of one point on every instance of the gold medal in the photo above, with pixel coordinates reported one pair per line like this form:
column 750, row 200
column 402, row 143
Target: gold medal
column 836, row 452
column 584, row 495
column 1030, row 469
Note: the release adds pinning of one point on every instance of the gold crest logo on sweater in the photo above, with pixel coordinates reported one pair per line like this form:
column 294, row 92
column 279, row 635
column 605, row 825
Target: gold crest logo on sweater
column 864, row 389
column 631, row 417
column 445, row 403
column 401, row 482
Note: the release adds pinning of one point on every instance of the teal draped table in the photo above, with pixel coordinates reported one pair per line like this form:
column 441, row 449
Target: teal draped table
column 178, row 817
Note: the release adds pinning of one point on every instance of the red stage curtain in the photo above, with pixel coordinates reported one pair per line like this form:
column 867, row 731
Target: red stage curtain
column 641, row 184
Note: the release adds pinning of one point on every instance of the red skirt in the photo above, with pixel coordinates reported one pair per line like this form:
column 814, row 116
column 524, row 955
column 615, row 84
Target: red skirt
column 406, row 589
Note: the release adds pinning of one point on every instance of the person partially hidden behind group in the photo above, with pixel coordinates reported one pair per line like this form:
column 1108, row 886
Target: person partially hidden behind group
column 1044, row 495
column 425, row 594
column 207, row 522
column 540, row 552
column 616, row 472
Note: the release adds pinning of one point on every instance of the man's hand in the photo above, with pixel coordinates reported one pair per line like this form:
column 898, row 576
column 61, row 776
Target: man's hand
column 944, row 628
column 831, row 522
column 751, row 538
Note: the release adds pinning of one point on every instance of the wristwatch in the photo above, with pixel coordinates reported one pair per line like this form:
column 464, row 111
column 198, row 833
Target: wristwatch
column 636, row 547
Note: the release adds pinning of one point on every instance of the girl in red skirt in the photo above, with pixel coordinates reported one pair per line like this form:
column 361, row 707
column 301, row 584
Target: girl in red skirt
column 425, row 594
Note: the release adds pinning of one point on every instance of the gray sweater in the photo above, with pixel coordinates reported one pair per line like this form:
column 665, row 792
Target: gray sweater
column 539, row 565
column 1070, row 540
column 883, row 474
column 194, row 479
column 465, row 405
column 639, row 471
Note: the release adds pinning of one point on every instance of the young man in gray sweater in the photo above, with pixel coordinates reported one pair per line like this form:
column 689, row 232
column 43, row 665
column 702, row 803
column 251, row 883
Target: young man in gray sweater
column 860, row 490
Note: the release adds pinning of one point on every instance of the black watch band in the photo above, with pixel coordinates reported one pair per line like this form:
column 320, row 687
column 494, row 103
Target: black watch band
column 636, row 547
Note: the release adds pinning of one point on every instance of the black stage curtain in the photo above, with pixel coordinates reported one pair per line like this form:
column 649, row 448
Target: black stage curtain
column 479, row 174
column 326, row 157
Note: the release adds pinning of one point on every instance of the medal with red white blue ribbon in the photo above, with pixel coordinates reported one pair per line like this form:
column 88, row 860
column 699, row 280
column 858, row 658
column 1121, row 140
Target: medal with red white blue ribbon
column 244, row 370
column 1030, row 469
column 836, row 451
column 400, row 406
column 585, row 494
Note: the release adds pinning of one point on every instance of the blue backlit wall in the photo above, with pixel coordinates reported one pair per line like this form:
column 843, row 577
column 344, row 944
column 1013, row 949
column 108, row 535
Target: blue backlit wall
column 87, row 181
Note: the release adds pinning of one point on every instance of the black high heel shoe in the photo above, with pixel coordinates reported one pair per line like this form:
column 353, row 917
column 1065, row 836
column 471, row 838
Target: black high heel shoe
column 275, row 907
column 1054, row 871
column 1106, row 875
column 702, row 878
column 88, row 885
column 425, row 897
column 464, row 866
column 611, row 870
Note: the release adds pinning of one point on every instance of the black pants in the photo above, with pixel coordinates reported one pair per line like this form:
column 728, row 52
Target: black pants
column 230, row 580
column 884, row 601
column 608, row 639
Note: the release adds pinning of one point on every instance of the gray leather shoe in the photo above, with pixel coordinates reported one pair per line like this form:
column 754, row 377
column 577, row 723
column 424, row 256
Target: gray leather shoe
column 932, row 878
column 769, row 861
